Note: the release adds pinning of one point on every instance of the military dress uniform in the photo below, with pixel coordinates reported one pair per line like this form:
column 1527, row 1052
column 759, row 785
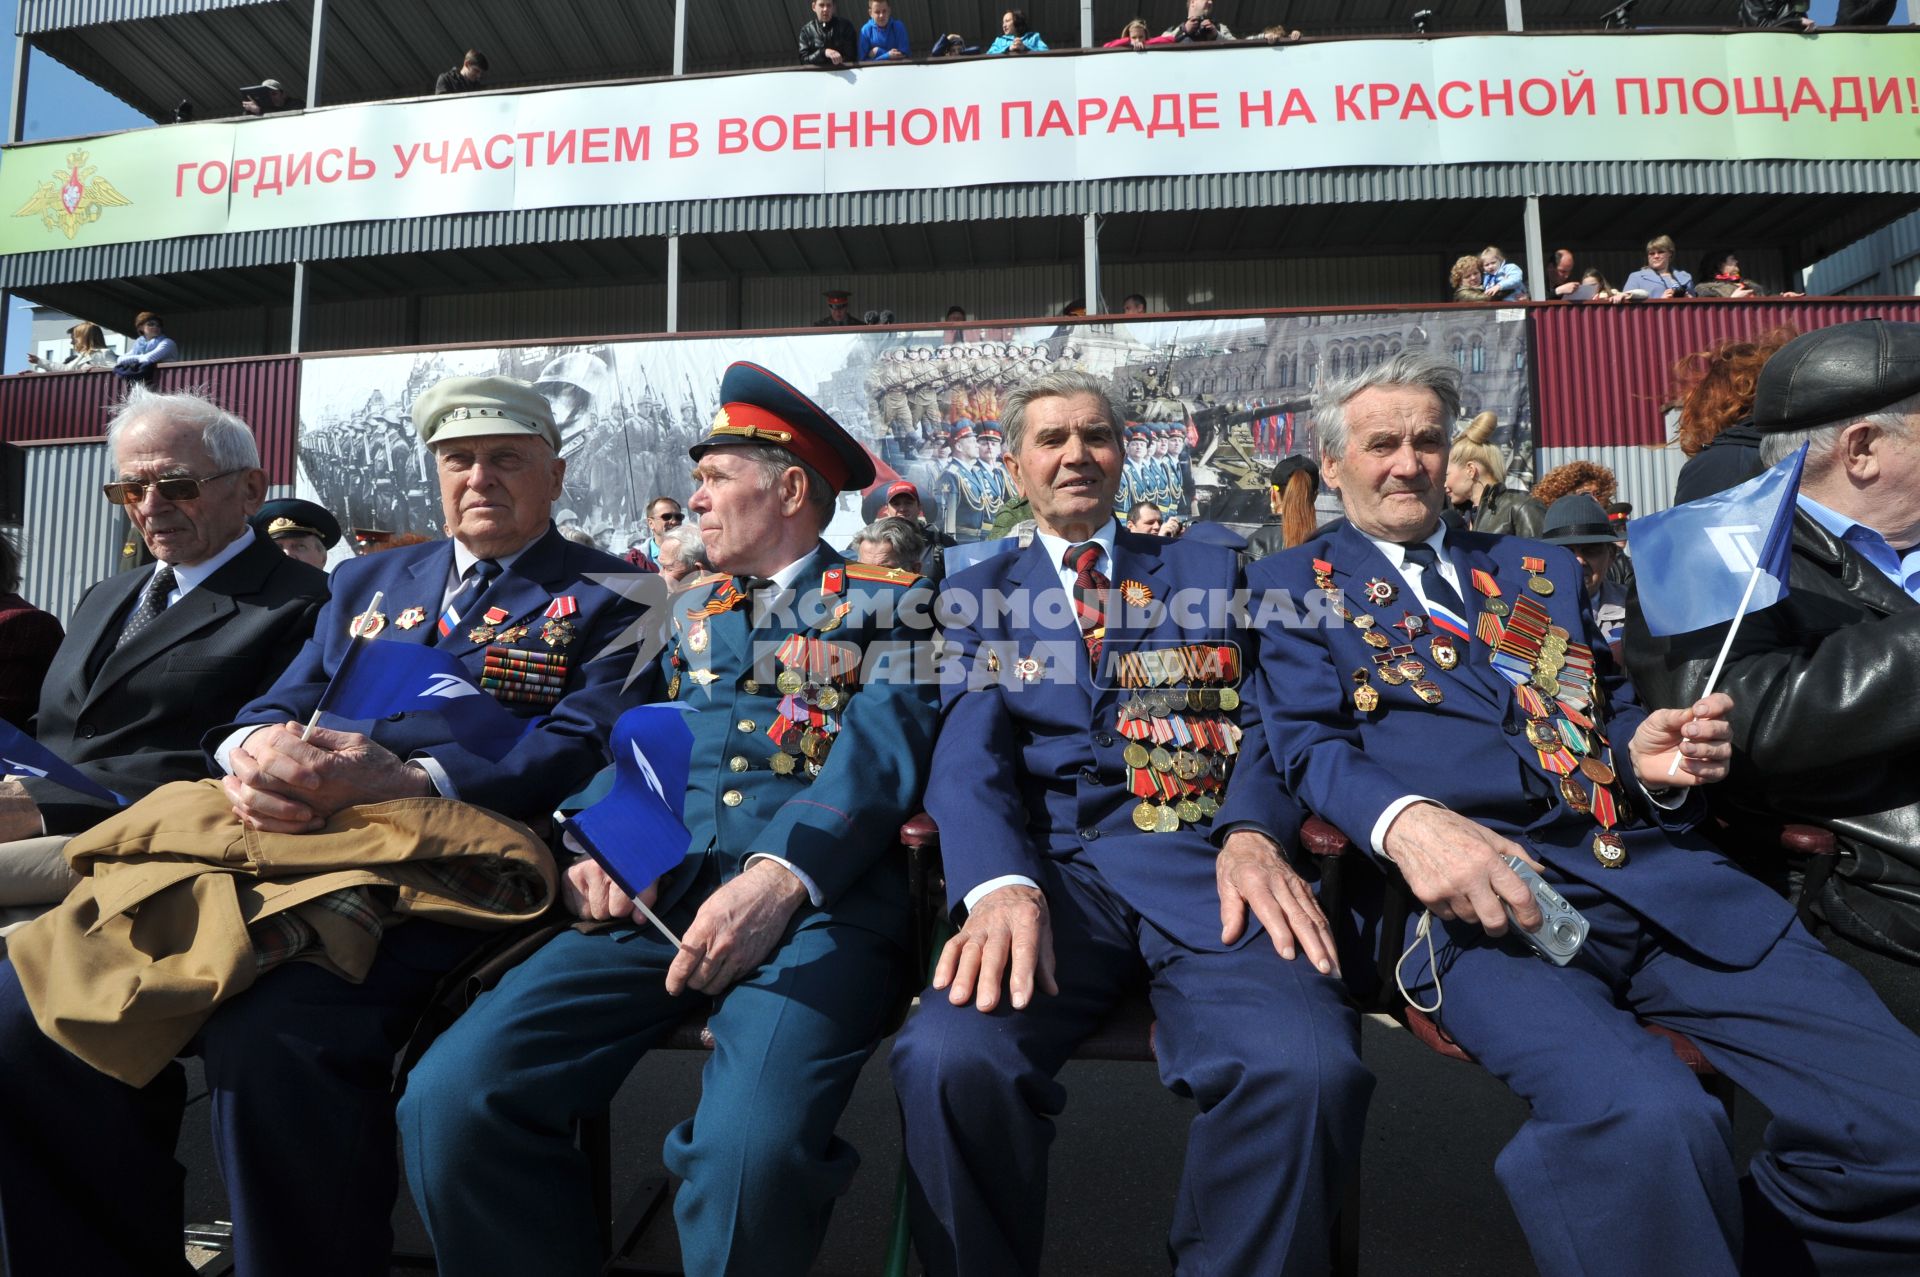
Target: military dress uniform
column 811, row 738
column 1102, row 778
column 964, row 493
column 1494, row 695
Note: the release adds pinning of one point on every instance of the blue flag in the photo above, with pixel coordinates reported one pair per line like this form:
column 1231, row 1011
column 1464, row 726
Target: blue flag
column 377, row 679
column 22, row 755
column 636, row 831
column 1694, row 563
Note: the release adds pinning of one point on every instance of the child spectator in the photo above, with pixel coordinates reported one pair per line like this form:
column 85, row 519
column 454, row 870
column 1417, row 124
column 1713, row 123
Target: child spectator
column 884, row 37
column 828, row 40
column 1500, row 279
column 1016, row 36
column 1136, row 35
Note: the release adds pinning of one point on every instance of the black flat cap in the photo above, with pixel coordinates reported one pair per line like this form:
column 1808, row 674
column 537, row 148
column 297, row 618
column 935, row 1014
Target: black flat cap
column 1836, row 374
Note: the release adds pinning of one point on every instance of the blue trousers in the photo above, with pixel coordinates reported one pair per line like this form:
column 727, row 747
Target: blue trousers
column 1267, row 1048
column 1625, row 1164
column 299, row 1076
column 489, row 1115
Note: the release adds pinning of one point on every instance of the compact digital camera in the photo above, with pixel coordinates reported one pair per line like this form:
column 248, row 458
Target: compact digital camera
column 1562, row 930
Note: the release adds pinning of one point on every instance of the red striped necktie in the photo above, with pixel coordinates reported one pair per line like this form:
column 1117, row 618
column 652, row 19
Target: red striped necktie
column 1089, row 595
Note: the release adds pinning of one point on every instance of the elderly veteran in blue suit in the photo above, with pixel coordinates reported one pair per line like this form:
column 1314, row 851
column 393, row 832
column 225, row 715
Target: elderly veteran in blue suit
column 1090, row 757
column 1460, row 707
column 811, row 736
column 298, row 1066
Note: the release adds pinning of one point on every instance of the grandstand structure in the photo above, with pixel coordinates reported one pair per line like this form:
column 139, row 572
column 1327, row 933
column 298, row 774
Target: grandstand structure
column 564, row 232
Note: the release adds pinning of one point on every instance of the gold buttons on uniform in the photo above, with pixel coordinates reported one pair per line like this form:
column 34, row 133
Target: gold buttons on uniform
column 733, row 798
column 737, row 763
column 750, row 687
column 745, row 724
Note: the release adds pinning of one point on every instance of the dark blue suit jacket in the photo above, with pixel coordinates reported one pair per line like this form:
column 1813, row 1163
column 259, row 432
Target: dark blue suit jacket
column 841, row 828
column 1029, row 769
column 568, row 744
column 1470, row 751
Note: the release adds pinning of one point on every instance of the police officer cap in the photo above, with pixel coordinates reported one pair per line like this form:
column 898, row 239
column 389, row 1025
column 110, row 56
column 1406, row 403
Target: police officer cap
column 467, row 407
column 291, row 516
column 1837, row 374
column 758, row 407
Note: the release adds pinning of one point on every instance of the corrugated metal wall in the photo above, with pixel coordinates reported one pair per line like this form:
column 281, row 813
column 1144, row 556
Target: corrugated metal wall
column 1859, row 265
column 1603, row 370
column 76, row 536
column 265, row 393
column 1646, row 474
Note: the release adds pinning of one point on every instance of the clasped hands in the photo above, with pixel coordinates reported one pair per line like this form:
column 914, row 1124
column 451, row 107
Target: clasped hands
column 284, row 784
column 1007, row 941
column 1454, row 865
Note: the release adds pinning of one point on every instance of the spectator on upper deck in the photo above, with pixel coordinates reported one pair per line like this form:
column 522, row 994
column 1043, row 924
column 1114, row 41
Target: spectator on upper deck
column 1500, row 279
column 828, row 40
column 1016, row 36
column 954, row 45
column 1464, row 279
column 1198, row 25
column 1281, row 34
column 465, row 77
column 1788, row 14
column 1658, row 278
column 884, row 37
column 1133, row 304
column 1563, row 277
column 89, row 353
column 275, row 98
column 1136, row 35
column 1720, row 277
column 153, row 347
column 1865, row 13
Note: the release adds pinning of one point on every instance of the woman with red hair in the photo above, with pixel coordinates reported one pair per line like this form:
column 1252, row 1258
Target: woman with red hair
column 1714, row 389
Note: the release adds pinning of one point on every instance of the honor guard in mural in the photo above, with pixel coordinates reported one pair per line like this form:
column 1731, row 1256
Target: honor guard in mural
column 889, row 378
column 995, row 474
column 923, row 393
column 964, row 491
column 1136, row 472
column 584, row 395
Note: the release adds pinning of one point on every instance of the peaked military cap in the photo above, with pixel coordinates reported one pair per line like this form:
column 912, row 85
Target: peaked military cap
column 467, row 407
column 292, row 516
column 756, row 406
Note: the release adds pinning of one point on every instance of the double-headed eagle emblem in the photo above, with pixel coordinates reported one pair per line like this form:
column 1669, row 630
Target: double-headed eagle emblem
column 73, row 198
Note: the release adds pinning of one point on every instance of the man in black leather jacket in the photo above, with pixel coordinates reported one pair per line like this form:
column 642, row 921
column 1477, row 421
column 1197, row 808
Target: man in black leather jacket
column 828, row 40
column 1826, row 683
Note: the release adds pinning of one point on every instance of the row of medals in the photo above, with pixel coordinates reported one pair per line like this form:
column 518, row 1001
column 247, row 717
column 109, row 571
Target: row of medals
column 1554, row 667
column 804, row 749
column 1180, row 743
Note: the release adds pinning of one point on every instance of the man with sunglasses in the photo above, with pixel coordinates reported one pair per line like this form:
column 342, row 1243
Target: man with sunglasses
column 153, row 658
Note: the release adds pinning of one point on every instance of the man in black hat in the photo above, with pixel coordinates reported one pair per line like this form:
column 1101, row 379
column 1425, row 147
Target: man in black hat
column 299, row 529
column 1578, row 522
column 838, row 316
column 811, row 739
column 1823, row 682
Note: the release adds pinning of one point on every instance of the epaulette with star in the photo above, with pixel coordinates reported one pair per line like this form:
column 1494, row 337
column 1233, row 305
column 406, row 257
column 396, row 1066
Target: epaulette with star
column 892, row 576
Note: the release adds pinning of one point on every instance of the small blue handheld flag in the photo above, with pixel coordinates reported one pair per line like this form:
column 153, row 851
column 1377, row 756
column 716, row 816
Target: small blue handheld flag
column 1709, row 561
column 21, row 755
column 636, row 831
column 376, row 679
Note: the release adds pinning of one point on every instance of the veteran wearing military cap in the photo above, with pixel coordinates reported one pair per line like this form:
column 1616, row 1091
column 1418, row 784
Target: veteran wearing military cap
column 298, row 529
column 811, row 738
column 1463, row 720
column 298, row 1064
column 1090, row 759
column 1823, row 681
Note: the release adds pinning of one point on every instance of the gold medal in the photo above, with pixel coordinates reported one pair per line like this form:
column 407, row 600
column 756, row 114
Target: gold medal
column 1444, row 653
column 1429, row 691
column 1229, row 699
column 366, row 625
column 789, row 682
column 673, row 687
column 1610, row 850
column 1187, row 766
column 1188, row 810
column 1136, row 755
column 1375, row 638
column 782, row 764
column 1494, row 606
column 513, row 634
column 1391, row 676
column 1546, row 682
column 829, row 698
column 1161, row 759
column 1596, row 771
column 1540, row 735
column 411, row 617
column 1574, row 796
column 1540, row 585
column 1146, row 815
column 1167, row 821
column 480, row 634
column 1365, row 698
column 1207, row 804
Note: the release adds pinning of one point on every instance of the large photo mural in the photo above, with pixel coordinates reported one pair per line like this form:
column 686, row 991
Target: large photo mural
column 1211, row 404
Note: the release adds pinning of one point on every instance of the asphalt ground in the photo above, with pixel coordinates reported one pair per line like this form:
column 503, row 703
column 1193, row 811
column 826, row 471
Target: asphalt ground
column 1430, row 1204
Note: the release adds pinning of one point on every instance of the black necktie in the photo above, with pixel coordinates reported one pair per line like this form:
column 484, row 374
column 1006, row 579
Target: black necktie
column 1432, row 584
column 473, row 588
column 153, row 601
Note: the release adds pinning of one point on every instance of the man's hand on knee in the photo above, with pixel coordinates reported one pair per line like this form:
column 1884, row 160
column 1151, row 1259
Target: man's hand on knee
column 1007, row 936
column 736, row 929
column 1454, row 867
column 1251, row 874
